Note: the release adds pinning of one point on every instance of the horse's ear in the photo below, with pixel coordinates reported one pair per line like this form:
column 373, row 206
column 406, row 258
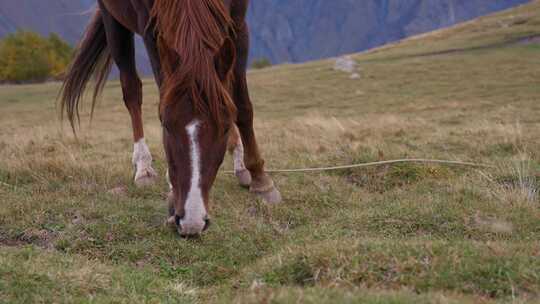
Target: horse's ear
column 225, row 59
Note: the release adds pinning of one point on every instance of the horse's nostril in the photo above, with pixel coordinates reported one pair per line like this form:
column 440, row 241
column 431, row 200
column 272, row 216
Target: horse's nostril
column 207, row 223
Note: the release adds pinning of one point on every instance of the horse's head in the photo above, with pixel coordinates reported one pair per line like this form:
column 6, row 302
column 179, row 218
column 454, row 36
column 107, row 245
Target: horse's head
column 197, row 113
column 195, row 151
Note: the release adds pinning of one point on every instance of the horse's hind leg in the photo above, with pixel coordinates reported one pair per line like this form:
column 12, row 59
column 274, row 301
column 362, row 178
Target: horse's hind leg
column 121, row 44
column 261, row 184
column 236, row 149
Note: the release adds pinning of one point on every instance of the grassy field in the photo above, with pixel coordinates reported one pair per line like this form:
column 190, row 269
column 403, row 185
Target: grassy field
column 73, row 228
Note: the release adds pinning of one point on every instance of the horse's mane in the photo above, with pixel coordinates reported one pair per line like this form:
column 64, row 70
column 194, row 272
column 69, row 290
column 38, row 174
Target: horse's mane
column 190, row 34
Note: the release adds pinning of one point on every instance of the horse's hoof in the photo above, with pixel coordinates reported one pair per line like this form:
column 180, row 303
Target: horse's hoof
column 145, row 177
column 244, row 177
column 270, row 197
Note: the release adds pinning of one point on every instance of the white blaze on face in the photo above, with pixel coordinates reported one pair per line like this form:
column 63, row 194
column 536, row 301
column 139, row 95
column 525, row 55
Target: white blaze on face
column 195, row 212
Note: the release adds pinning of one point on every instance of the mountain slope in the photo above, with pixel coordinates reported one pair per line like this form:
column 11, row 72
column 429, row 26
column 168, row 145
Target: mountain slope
column 284, row 30
column 65, row 17
column 300, row 30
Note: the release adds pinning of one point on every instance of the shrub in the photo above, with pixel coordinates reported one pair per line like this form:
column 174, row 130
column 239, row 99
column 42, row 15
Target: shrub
column 60, row 54
column 29, row 57
column 261, row 63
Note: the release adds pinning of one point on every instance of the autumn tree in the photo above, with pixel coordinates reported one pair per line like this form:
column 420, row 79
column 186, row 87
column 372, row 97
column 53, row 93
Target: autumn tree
column 28, row 57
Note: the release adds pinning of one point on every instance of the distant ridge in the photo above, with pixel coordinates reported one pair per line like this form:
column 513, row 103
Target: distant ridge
column 283, row 30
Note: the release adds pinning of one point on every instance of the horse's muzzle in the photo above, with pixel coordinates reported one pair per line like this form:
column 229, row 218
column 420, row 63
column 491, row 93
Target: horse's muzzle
column 191, row 229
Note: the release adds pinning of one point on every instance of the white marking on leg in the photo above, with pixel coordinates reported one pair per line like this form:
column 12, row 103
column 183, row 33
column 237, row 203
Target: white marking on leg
column 238, row 156
column 195, row 212
column 141, row 155
column 168, row 180
column 142, row 160
column 243, row 175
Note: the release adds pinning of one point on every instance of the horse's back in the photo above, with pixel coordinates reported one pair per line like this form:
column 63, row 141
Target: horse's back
column 127, row 13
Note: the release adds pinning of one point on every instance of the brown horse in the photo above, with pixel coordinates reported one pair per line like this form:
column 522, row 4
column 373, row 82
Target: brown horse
column 198, row 50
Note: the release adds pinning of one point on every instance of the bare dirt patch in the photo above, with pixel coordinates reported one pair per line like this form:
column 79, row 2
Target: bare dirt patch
column 121, row 191
column 41, row 238
column 7, row 242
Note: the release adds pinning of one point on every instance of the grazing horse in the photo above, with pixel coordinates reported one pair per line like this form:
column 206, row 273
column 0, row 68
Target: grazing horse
column 198, row 50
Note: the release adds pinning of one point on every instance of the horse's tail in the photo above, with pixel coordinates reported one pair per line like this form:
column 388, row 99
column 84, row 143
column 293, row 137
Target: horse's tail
column 191, row 33
column 92, row 59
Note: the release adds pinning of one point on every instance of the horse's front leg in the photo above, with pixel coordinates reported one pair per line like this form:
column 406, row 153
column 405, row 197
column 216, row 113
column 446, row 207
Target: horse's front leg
column 261, row 184
column 121, row 44
column 145, row 175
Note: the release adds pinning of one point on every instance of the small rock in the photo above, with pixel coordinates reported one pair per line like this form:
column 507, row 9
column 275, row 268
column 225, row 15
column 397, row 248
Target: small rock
column 256, row 284
column 502, row 227
column 493, row 225
column 140, row 263
column 77, row 219
column 345, row 64
column 119, row 191
column 171, row 222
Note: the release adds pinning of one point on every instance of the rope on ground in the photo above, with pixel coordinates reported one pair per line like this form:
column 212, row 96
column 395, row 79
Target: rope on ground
column 378, row 163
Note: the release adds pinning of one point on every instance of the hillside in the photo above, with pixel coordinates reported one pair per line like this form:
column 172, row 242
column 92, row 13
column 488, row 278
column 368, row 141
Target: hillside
column 301, row 30
column 284, row 30
column 409, row 233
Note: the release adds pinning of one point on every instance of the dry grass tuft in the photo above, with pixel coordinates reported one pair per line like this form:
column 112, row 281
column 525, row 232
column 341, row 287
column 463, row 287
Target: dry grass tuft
column 514, row 182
